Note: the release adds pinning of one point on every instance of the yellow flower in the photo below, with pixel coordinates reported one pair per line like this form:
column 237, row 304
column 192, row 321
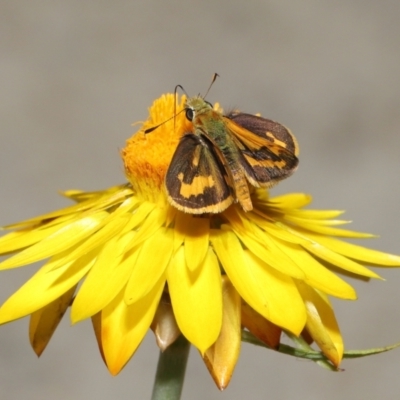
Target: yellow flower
column 142, row 263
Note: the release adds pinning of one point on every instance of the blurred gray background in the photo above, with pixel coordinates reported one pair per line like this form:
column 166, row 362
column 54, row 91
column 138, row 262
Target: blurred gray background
column 75, row 75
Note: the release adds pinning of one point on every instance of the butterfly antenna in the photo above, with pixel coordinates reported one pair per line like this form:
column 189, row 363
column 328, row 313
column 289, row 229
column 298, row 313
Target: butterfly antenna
column 175, row 91
column 212, row 81
column 180, row 87
column 153, row 128
column 175, row 114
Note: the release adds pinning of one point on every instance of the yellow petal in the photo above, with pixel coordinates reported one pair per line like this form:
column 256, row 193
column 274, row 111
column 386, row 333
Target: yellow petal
column 65, row 237
column 110, row 273
column 284, row 305
column 260, row 244
column 266, row 249
column 339, row 261
column 260, row 196
column 231, row 255
column 222, row 356
column 238, row 221
column 123, row 327
column 196, row 241
column 171, row 215
column 97, row 203
column 44, row 322
column 17, row 240
column 358, row 252
column 300, row 220
column 154, row 256
column 269, row 292
column 45, row 287
column 79, row 195
column 314, row 214
column 181, row 223
column 316, row 275
column 276, row 229
column 155, row 219
column 104, row 234
column 96, row 323
column 196, row 299
column 290, row 200
column 322, row 324
column 326, row 230
column 260, row 327
column 138, row 216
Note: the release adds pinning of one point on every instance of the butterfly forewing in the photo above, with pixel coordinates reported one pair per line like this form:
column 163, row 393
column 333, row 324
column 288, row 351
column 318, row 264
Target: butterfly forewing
column 267, row 129
column 266, row 156
column 196, row 180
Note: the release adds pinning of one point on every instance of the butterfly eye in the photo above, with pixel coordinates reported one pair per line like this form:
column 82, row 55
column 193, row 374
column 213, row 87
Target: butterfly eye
column 189, row 114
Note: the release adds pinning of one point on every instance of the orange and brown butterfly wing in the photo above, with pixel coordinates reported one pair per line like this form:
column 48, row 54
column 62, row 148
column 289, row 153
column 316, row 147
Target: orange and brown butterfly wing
column 196, row 180
column 268, row 149
column 267, row 129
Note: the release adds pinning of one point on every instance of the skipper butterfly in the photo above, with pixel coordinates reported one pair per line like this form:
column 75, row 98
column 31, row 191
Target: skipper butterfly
column 214, row 164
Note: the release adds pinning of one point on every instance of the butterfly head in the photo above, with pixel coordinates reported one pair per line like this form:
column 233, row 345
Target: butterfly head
column 196, row 106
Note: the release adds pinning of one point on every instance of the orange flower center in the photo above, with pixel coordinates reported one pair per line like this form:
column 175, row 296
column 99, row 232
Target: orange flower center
column 147, row 156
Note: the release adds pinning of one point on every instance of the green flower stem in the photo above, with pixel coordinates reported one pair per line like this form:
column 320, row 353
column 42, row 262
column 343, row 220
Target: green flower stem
column 171, row 369
column 304, row 350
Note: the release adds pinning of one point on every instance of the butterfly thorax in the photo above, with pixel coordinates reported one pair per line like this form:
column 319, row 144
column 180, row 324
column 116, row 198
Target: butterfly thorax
column 206, row 121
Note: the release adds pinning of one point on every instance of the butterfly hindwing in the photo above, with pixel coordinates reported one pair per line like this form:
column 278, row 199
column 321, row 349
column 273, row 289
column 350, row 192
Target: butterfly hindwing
column 196, row 180
column 267, row 154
